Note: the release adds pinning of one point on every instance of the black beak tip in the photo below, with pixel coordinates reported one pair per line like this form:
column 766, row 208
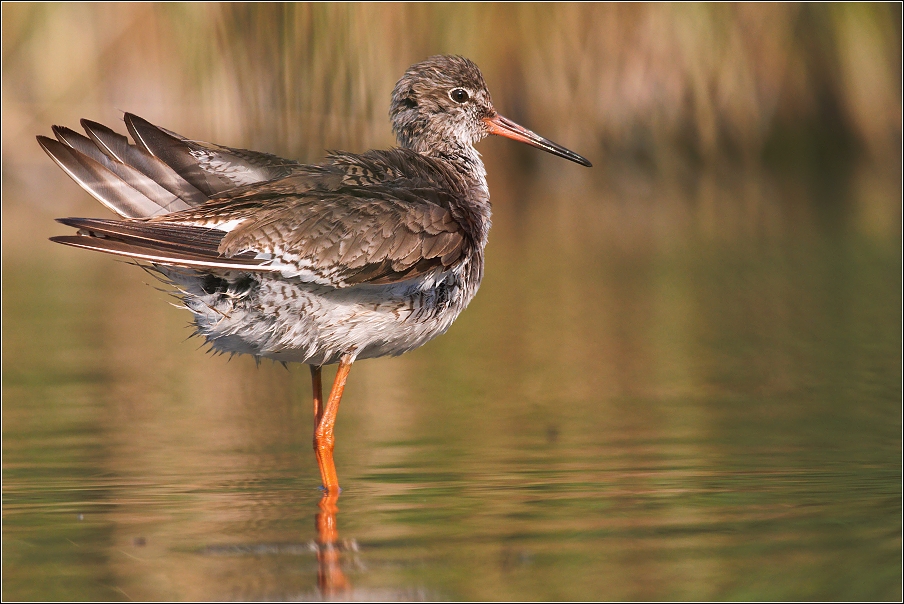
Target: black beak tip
column 578, row 159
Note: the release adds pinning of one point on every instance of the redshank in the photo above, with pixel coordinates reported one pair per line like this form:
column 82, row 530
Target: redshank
column 359, row 256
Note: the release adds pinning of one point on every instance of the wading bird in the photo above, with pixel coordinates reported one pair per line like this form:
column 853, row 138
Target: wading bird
column 359, row 256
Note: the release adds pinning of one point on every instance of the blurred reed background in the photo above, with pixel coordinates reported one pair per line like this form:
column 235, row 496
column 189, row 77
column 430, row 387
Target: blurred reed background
column 656, row 95
column 657, row 83
column 718, row 297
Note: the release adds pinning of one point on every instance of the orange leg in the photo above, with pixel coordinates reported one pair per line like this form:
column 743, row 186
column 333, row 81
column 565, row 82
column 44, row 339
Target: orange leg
column 330, row 578
column 323, row 431
column 317, row 383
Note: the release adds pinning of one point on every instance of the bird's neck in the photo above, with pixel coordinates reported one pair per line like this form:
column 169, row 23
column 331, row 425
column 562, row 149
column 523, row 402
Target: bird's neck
column 466, row 161
column 461, row 156
column 423, row 136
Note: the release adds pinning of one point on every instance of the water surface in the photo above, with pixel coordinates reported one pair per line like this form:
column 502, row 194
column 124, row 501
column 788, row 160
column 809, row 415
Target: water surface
column 664, row 390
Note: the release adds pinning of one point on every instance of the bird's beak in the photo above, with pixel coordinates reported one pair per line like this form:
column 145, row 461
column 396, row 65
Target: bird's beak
column 509, row 129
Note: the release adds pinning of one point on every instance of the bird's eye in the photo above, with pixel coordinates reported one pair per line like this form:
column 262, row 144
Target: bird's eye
column 459, row 95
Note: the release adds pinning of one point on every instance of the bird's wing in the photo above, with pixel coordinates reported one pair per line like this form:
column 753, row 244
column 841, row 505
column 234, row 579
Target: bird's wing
column 341, row 239
column 211, row 168
column 126, row 179
column 381, row 217
column 334, row 239
column 162, row 173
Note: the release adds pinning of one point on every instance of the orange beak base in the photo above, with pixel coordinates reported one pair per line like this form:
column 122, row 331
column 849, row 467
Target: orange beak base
column 509, row 129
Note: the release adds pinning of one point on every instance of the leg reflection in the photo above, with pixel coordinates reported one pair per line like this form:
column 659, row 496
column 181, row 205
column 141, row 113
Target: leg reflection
column 330, row 579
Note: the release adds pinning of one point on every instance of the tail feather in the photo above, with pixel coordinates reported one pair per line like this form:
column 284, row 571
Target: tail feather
column 160, row 243
column 156, row 256
column 162, row 235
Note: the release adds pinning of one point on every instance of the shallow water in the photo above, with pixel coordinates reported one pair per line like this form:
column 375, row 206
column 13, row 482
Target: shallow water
column 662, row 391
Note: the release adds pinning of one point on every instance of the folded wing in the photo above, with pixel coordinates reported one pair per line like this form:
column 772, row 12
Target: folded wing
column 377, row 218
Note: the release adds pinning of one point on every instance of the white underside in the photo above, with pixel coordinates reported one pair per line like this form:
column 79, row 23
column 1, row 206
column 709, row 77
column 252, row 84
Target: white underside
column 293, row 321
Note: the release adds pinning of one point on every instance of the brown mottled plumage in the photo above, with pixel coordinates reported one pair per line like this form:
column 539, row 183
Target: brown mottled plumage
column 356, row 257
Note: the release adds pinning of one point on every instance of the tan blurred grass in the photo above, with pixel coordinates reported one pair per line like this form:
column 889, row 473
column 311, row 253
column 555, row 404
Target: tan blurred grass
column 698, row 82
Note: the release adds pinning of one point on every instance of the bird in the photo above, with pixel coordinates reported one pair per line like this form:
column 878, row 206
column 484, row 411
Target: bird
column 356, row 257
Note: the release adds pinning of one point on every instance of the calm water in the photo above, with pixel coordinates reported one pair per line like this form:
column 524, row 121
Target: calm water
column 689, row 391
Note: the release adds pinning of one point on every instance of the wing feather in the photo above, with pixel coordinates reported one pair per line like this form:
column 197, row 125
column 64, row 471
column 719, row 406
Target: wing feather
column 118, row 147
column 354, row 236
column 211, row 168
column 100, row 181
column 150, row 188
column 382, row 217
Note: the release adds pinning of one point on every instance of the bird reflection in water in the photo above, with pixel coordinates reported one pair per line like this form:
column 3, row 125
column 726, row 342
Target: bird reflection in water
column 330, row 579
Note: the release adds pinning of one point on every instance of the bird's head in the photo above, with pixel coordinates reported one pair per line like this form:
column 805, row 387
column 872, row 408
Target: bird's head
column 443, row 102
